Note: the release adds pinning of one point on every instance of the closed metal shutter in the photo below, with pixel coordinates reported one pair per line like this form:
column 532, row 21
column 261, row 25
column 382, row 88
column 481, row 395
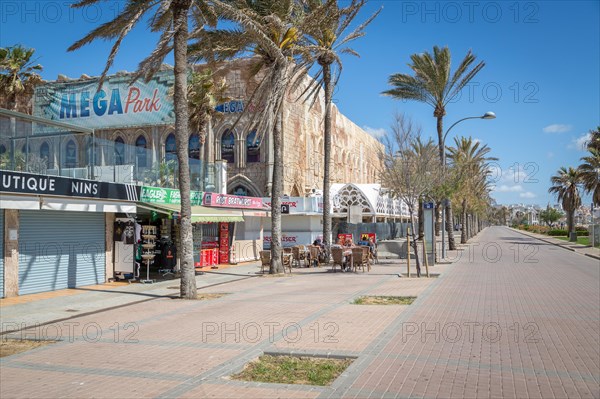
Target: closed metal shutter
column 1, row 253
column 60, row 250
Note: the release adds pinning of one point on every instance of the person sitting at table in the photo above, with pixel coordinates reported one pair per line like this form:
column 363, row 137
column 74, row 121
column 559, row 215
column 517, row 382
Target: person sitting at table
column 348, row 243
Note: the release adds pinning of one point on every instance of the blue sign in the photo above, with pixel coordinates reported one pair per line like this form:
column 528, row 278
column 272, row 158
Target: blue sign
column 428, row 205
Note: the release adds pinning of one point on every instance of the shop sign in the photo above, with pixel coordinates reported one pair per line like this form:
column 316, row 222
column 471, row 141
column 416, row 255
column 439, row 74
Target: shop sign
column 28, row 183
column 232, row 201
column 118, row 103
column 293, row 204
column 167, row 196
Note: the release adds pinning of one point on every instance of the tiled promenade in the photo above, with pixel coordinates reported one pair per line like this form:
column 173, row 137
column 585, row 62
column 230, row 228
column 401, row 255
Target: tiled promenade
column 511, row 317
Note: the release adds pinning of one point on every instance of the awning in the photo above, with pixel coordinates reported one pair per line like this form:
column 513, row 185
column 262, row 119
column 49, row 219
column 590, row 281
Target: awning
column 200, row 214
column 29, row 202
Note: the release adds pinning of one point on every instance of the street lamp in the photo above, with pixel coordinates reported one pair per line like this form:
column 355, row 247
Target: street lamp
column 445, row 202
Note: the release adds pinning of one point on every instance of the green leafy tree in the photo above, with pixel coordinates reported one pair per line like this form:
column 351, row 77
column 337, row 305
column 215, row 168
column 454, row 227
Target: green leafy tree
column 173, row 19
column 18, row 75
column 550, row 215
column 434, row 84
column 564, row 185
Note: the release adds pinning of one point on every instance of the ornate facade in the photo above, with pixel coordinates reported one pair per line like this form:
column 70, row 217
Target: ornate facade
column 124, row 137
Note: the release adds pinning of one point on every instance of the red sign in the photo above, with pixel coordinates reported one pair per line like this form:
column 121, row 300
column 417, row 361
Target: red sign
column 343, row 238
column 223, row 243
column 232, row 201
column 367, row 236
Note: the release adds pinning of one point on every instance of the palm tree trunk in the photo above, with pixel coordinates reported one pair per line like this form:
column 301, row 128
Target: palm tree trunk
column 421, row 220
column 327, row 154
column 463, row 229
column 450, row 227
column 570, row 217
column 279, row 76
column 188, row 273
column 442, row 149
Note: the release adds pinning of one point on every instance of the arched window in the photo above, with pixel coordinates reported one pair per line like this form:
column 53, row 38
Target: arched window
column 45, row 154
column 71, row 154
column 119, row 151
column 2, row 149
column 252, row 147
column 170, row 148
column 241, row 191
column 140, row 151
column 227, row 146
column 26, row 149
column 194, row 147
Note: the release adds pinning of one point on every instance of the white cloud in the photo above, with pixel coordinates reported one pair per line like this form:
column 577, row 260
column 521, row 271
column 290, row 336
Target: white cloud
column 527, row 194
column 557, row 128
column 375, row 132
column 504, row 188
column 580, row 143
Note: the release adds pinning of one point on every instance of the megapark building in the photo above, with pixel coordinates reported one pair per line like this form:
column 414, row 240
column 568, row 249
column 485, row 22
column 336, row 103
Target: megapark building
column 88, row 184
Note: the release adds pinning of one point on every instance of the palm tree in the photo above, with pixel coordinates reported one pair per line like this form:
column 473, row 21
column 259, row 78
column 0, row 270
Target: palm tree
column 205, row 92
column 590, row 174
column 172, row 19
column 269, row 29
column 470, row 165
column 433, row 84
column 18, row 74
column 326, row 35
column 565, row 187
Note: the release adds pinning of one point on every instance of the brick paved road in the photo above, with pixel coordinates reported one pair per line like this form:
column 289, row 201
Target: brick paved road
column 513, row 317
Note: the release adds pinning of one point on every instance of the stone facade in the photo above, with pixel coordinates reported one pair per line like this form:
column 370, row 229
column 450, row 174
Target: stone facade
column 356, row 156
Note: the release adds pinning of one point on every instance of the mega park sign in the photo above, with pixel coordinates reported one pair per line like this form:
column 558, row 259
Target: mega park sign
column 118, row 103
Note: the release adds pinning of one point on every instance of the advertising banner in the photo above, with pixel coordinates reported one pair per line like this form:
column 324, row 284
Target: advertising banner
column 118, row 103
column 342, row 238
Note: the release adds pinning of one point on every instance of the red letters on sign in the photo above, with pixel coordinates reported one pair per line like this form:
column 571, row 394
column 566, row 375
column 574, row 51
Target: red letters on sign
column 144, row 104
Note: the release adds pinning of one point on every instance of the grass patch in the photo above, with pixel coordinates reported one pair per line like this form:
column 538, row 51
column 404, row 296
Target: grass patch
column 10, row 347
column 384, row 300
column 293, row 370
column 580, row 240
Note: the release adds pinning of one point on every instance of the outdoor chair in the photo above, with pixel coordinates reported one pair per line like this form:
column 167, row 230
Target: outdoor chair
column 314, row 255
column 338, row 258
column 287, row 259
column 360, row 258
column 265, row 260
column 299, row 255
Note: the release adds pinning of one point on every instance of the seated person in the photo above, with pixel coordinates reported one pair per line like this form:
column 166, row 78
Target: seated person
column 348, row 243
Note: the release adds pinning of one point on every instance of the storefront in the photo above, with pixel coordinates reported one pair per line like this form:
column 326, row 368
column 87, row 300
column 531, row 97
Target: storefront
column 244, row 239
column 58, row 228
column 301, row 221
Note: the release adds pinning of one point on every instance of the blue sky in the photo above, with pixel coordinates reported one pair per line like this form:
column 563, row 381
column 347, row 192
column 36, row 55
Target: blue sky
column 541, row 76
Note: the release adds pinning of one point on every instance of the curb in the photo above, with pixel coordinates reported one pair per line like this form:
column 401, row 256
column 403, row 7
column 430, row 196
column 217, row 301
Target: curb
column 558, row 245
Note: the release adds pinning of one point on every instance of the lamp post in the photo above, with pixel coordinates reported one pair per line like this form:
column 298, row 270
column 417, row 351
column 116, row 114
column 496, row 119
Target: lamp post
column 445, row 202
